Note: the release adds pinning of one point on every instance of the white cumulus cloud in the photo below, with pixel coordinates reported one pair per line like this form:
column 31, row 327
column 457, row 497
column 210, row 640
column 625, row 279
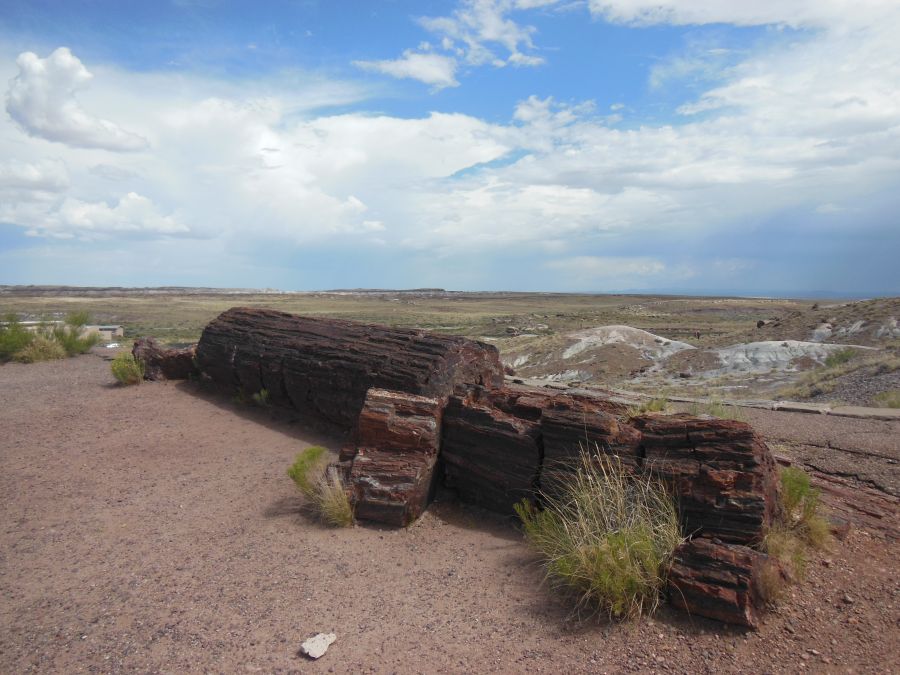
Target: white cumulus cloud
column 133, row 214
column 41, row 99
column 435, row 69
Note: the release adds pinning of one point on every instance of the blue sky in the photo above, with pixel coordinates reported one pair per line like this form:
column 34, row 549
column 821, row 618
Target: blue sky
column 596, row 145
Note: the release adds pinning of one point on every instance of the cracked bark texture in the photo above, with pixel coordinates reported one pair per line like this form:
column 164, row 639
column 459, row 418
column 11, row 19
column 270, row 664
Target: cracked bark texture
column 324, row 367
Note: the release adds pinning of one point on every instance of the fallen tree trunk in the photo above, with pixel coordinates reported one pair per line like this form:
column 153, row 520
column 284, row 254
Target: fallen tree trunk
column 324, row 367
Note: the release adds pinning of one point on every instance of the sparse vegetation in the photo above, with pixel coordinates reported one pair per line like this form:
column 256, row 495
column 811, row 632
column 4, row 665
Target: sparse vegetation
column 261, row 398
column 887, row 399
column 605, row 536
column 40, row 348
column 13, row 337
column 127, row 369
column 718, row 409
column 659, row 404
column 69, row 334
column 824, row 380
column 801, row 526
column 321, row 484
column 839, row 357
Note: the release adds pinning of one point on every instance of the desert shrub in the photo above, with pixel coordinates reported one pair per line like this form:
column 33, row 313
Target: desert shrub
column 839, row 357
column 126, row 369
column 40, row 348
column 13, row 337
column 321, row 484
column 69, row 337
column 887, row 399
column 261, row 398
column 801, row 526
column 605, row 535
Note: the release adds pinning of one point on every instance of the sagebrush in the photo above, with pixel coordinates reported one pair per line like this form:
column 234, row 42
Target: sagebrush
column 605, row 535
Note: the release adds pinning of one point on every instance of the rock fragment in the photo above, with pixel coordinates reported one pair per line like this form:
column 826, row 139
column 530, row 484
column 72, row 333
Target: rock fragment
column 316, row 646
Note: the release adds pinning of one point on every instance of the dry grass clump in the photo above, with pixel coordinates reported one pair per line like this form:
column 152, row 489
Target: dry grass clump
column 40, row 348
column 801, row 526
column 321, row 484
column 605, row 536
column 127, row 369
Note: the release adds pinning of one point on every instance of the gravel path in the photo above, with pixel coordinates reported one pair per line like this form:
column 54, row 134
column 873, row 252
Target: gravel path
column 151, row 529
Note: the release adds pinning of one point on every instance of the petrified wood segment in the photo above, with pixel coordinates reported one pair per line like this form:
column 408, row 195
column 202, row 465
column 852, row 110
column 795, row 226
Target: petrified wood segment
column 492, row 458
column 324, row 367
column 722, row 474
column 570, row 424
column 161, row 363
column 720, row 581
column 393, row 456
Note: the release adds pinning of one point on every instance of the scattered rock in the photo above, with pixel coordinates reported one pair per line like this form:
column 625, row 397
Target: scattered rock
column 316, row 646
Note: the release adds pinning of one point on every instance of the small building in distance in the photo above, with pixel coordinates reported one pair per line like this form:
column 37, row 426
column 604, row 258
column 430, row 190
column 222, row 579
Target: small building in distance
column 107, row 332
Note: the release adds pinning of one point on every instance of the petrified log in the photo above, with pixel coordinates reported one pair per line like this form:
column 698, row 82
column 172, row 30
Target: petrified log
column 324, row 367
column 722, row 474
column 164, row 364
column 721, row 581
column 492, row 458
column 393, row 455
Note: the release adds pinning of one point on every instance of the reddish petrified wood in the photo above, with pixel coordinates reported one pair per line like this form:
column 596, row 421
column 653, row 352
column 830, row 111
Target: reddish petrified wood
column 393, row 456
column 722, row 474
column 164, row 364
column 721, row 581
column 324, row 367
column 492, row 458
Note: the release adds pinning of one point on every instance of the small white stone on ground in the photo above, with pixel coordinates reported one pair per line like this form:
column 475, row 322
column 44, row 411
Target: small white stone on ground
column 316, row 646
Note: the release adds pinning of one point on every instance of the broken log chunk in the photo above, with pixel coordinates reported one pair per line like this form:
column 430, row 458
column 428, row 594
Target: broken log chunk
column 491, row 458
column 161, row 363
column 722, row 474
column 393, row 456
column 721, row 581
column 324, row 367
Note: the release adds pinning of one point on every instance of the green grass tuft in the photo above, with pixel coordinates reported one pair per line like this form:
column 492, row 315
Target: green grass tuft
column 801, row 526
column 308, row 468
column 40, row 348
column 605, row 536
column 126, row 369
column 321, row 484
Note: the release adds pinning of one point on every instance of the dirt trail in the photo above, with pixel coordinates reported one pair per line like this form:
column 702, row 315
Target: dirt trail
column 151, row 529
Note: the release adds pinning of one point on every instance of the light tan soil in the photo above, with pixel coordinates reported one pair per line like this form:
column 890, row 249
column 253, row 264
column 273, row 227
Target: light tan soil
column 153, row 529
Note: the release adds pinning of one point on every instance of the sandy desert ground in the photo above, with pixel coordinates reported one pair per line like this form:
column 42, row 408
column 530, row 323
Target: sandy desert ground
column 153, row 529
